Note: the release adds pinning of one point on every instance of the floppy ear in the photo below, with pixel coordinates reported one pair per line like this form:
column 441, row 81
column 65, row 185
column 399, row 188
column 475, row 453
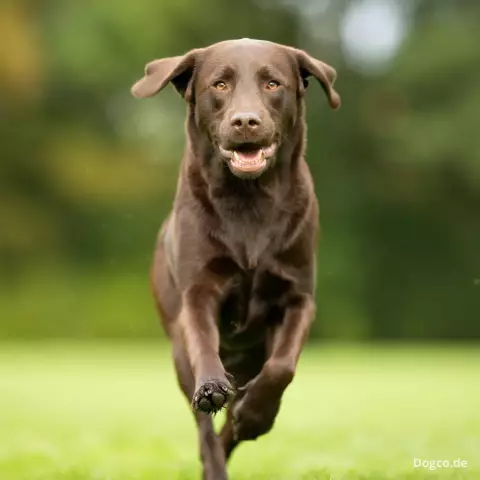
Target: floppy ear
column 178, row 70
column 324, row 73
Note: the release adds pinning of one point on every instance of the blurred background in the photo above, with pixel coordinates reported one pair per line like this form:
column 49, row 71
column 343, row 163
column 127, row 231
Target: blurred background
column 87, row 173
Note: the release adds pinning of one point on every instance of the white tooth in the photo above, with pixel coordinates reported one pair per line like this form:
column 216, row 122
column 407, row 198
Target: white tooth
column 235, row 156
column 262, row 158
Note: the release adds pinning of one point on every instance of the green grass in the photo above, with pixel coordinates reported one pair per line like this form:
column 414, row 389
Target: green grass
column 114, row 412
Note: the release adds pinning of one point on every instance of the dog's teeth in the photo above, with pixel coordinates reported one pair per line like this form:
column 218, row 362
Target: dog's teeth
column 235, row 156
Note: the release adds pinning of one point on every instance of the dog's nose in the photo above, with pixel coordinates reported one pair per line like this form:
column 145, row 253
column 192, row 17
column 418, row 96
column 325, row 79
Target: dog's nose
column 245, row 122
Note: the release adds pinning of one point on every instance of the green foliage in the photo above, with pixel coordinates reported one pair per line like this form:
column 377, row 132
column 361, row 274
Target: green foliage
column 87, row 173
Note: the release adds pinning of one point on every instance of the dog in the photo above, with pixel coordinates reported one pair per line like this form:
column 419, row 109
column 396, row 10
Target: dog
column 233, row 274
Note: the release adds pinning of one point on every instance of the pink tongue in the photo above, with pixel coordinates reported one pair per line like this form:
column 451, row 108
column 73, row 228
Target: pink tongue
column 250, row 157
column 248, row 161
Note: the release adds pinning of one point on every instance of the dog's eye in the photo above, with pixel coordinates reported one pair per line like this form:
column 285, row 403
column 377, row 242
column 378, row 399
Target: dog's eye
column 221, row 86
column 272, row 85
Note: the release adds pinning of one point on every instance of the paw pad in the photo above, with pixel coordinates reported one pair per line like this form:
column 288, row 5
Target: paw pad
column 212, row 396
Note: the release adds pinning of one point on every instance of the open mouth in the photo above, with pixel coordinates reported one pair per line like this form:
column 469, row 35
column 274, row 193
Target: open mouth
column 249, row 158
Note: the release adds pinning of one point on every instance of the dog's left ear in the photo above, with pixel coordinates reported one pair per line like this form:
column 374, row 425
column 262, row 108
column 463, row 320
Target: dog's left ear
column 178, row 70
column 324, row 73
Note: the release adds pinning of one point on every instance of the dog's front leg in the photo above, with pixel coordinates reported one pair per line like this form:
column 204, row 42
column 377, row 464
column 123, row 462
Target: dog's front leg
column 199, row 332
column 254, row 413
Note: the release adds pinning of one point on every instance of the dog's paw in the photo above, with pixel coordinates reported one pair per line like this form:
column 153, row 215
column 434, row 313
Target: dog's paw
column 212, row 396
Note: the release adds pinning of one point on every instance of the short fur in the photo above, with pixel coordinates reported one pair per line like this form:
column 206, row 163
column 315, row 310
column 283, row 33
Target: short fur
column 234, row 268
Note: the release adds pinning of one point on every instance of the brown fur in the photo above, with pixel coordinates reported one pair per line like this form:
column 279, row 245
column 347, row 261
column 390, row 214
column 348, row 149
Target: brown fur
column 234, row 268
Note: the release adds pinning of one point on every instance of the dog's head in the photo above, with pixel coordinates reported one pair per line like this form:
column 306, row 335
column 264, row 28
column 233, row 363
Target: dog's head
column 245, row 95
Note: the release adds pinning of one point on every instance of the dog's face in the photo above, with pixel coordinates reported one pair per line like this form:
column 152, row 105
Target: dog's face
column 246, row 100
column 245, row 94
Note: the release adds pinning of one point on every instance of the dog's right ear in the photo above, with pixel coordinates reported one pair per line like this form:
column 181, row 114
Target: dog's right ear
column 178, row 70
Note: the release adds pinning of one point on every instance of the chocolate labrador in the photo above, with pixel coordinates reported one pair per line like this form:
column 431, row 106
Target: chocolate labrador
column 234, row 268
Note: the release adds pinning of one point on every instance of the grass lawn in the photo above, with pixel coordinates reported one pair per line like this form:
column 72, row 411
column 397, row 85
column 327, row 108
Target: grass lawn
column 113, row 412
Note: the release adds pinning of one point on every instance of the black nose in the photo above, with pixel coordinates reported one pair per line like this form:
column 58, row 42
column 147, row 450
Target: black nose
column 245, row 122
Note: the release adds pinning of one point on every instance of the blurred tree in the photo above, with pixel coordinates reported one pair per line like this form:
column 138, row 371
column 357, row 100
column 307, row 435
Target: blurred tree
column 88, row 173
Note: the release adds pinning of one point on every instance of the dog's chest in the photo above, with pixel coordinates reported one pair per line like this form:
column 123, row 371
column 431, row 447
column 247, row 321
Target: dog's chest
column 251, row 240
column 252, row 304
column 247, row 245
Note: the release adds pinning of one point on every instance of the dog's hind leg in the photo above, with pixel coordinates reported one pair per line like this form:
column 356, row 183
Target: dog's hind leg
column 211, row 451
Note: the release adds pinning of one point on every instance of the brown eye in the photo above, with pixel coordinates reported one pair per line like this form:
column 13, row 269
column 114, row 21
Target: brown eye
column 272, row 85
column 221, row 86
